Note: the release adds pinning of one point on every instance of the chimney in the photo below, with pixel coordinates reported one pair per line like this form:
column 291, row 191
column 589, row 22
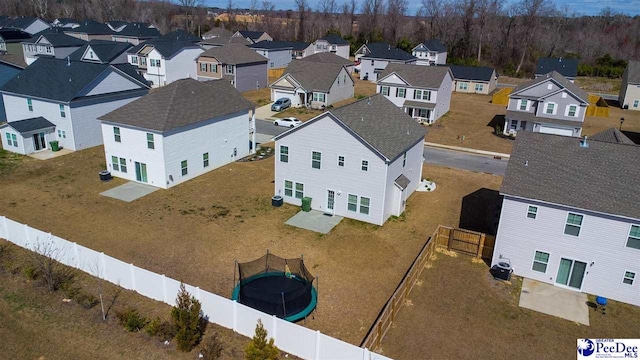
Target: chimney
column 583, row 142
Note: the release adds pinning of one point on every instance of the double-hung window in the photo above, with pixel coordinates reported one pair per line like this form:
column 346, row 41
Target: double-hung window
column 341, row 161
column 352, row 202
column 284, row 153
column 229, row 69
column 364, row 205
column 479, row 87
column 62, row 112
column 573, row 110
column 184, row 166
column 319, row 97
column 404, row 159
column 633, row 240
column 116, row 134
column 115, row 165
column 532, row 212
column 400, row 92
column 214, row 68
column 384, row 90
column 30, row 104
column 12, row 140
column 573, row 225
column 205, row 160
column 463, row 86
column 422, row 95
column 316, row 159
column 523, row 104
column 550, row 108
column 288, row 188
column 299, row 191
column 203, row 67
column 365, row 165
column 150, row 142
column 540, row 261
column 629, row 277
column 123, row 165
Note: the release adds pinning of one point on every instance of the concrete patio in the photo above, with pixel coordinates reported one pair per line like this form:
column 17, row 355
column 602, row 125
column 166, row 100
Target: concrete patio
column 315, row 221
column 129, row 192
column 48, row 154
column 555, row 301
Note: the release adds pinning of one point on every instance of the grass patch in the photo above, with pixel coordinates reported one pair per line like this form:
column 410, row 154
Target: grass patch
column 8, row 161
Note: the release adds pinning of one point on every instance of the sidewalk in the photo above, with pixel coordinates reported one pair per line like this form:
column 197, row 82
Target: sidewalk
column 473, row 151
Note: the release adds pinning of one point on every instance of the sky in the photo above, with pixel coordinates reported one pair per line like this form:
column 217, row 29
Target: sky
column 579, row 7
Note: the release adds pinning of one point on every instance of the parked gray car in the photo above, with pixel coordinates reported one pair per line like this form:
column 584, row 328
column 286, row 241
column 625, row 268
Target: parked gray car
column 281, row 104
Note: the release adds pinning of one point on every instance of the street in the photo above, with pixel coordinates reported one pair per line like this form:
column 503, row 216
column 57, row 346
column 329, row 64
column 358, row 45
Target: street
column 465, row 161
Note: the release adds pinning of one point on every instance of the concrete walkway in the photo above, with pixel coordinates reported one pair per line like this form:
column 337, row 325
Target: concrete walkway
column 315, row 221
column 129, row 191
column 464, row 149
column 554, row 301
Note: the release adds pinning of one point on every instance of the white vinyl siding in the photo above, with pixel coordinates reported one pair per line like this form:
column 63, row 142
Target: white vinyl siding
column 341, row 161
column 184, row 167
column 288, row 188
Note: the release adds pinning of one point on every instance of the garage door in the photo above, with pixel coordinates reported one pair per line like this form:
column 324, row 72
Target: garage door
column 277, row 94
column 555, row 131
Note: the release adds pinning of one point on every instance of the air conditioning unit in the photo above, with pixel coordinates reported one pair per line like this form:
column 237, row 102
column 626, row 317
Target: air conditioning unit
column 512, row 132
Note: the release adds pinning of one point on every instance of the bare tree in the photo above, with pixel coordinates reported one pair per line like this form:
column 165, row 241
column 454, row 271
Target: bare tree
column 45, row 259
column 486, row 11
column 41, row 7
column 396, row 12
column 532, row 10
column 302, row 14
column 431, row 10
column 372, row 11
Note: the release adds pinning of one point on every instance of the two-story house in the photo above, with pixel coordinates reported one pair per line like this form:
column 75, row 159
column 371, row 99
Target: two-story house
column 374, row 63
column 424, row 93
column 242, row 67
column 474, row 79
column 163, row 61
column 313, row 84
column 368, row 48
column 629, row 97
column 135, row 33
column 550, row 104
column 53, row 44
column 178, row 132
column 253, row 36
column 11, row 40
column 278, row 52
column 360, row 161
column 571, row 215
column 91, row 30
column 332, row 43
column 565, row 67
column 69, row 96
column 102, row 52
column 431, row 52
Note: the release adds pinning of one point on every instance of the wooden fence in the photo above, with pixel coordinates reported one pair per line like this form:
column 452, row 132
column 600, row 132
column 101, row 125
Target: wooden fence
column 598, row 107
column 275, row 73
column 465, row 241
column 501, row 97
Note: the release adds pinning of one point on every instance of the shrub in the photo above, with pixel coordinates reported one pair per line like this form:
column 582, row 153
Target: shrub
column 187, row 320
column 498, row 130
column 161, row 328
column 131, row 320
column 85, row 300
column 259, row 348
column 30, row 272
column 211, row 347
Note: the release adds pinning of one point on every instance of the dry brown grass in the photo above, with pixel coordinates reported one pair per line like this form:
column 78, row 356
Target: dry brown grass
column 258, row 97
column 181, row 233
column 460, row 312
column 599, row 84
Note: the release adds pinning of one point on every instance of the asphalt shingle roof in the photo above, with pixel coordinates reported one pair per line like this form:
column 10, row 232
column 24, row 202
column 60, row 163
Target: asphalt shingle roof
column 435, row 45
column 58, row 39
column 235, row 54
column 377, row 46
column 253, row 35
column 612, row 135
column 560, row 80
column 91, row 27
column 180, row 35
column 327, row 57
column 335, row 39
column 313, row 76
column 181, row 103
column 416, row 75
column 22, row 22
column 633, row 72
column 566, row 67
column 105, row 50
column 138, row 31
column 13, row 60
column 10, row 35
column 165, row 47
column 389, row 53
column 402, row 181
column 272, row 45
column 33, row 124
column 551, row 168
column 474, row 73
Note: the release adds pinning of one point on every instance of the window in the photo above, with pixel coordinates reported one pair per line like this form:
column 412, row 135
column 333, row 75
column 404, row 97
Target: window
column 400, row 92
column 463, row 86
column 573, row 110
column 185, row 167
column 229, row 69
column 384, row 90
column 115, row 164
column 422, row 95
column 214, row 68
column 30, row 104
column 62, row 113
column 344, row 79
column 523, row 125
column 288, row 188
column 316, row 158
column 272, row 64
column 123, row 165
column 116, row 134
column 549, row 86
column 633, row 240
column 364, row 205
column 150, row 142
column 341, row 161
column 318, row 97
column 423, row 113
column 540, row 262
column 372, row 62
column 352, row 202
column 550, row 108
column 299, row 191
column 514, row 125
column 143, row 61
column 134, row 60
column 284, row 154
column 404, row 159
column 524, row 104
column 203, row 67
column 479, row 87
column 636, row 103
column 532, row 212
column 62, row 134
column 628, row 277
column 14, row 140
column 574, row 222
column 365, row 165
column 205, row 160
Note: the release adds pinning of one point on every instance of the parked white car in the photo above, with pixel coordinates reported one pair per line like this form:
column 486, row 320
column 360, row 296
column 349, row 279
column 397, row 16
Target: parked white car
column 289, row 122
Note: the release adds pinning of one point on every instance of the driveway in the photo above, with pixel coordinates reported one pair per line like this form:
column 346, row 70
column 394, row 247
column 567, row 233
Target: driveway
column 265, row 113
column 465, row 161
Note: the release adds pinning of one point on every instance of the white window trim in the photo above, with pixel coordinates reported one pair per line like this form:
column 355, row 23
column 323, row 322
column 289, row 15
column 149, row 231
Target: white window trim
column 382, row 88
column 555, row 108
column 566, row 222
column 526, row 215
column 362, row 165
column 626, row 239
column 533, row 262
column 295, row 190
column 624, row 276
column 566, row 111
column 520, row 104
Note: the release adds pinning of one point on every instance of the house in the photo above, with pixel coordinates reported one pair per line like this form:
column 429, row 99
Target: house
column 313, row 84
column 29, row 24
column 629, row 97
column 242, row 67
column 253, row 36
column 369, row 48
column 163, row 61
column 217, row 37
column 217, row 32
column 474, row 79
column 328, row 57
column 550, row 104
column 135, row 33
column 55, row 44
column 65, row 23
column 565, row 67
column 431, row 52
column 278, row 52
column 71, row 95
column 11, row 39
column 10, row 66
column 373, row 63
column 91, row 30
column 424, row 93
column 300, row 49
column 360, row 161
column 332, row 43
column 560, row 224
column 103, row 52
column 178, row 132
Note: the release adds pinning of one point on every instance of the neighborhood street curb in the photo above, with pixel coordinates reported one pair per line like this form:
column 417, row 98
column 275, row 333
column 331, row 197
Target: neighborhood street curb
column 495, row 155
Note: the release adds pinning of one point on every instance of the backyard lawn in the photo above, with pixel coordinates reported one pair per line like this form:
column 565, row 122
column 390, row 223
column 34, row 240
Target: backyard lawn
column 458, row 311
column 195, row 231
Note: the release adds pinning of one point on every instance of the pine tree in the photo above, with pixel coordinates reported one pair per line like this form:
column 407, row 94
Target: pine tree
column 259, row 348
column 187, row 320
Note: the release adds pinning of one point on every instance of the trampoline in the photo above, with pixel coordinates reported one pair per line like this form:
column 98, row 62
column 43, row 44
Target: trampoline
column 276, row 286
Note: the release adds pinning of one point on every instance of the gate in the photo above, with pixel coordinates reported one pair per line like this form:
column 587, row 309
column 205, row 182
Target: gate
column 465, row 241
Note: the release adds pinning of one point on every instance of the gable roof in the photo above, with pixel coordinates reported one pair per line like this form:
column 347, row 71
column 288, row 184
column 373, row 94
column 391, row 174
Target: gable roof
column 167, row 48
column 138, row 30
column 217, row 32
column 376, row 46
column 612, row 135
column 105, row 50
column 434, row 45
column 23, row 22
column 313, row 76
column 551, row 168
column 91, row 27
column 335, row 39
column 384, row 127
column 415, row 75
column 559, row 79
column 633, row 72
column 235, row 54
column 55, row 79
column 10, row 35
column 476, row 73
column 272, row 45
column 253, row 35
column 32, row 124
column 566, row 67
column 181, row 103
column 389, row 53
column 59, row 39
column 299, row 45
column 180, row 35
column 328, row 57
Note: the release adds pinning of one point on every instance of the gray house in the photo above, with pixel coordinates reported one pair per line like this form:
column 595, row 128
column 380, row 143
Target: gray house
column 373, row 63
column 431, row 52
column 278, row 52
column 629, row 97
column 558, row 225
column 241, row 66
column 102, row 52
column 549, row 104
column 328, row 57
column 565, row 67
column 52, row 43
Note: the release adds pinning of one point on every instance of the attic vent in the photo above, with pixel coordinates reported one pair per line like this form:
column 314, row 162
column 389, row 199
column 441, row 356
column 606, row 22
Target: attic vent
column 583, row 142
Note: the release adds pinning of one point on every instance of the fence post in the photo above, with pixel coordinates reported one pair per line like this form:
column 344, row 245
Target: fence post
column 317, row 355
column 133, row 277
column 481, row 245
column 365, row 354
column 450, row 239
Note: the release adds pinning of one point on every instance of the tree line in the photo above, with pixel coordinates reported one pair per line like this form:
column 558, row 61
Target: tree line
column 508, row 36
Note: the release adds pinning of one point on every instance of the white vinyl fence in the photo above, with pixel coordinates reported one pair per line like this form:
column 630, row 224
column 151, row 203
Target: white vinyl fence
column 289, row 337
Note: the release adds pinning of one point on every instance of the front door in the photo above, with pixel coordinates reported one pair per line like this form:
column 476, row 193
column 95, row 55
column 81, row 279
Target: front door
column 331, row 200
column 571, row 273
column 39, row 142
column 141, row 172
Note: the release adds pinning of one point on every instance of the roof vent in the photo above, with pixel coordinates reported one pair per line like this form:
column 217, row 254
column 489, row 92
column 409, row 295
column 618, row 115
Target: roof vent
column 68, row 61
column 526, row 163
column 583, row 142
column 369, row 101
column 389, row 48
